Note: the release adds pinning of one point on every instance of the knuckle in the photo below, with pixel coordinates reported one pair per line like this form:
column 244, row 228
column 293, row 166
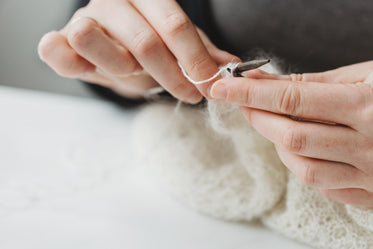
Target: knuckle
column 175, row 23
column 145, row 42
column 289, row 100
column 82, row 33
column 249, row 94
column 294, row 140
column 309, row 175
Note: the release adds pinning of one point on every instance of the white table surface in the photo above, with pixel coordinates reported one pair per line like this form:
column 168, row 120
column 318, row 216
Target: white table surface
column 67, row 181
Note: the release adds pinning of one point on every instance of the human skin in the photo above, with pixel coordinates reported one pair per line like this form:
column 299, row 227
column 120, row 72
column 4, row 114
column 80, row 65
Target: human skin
column 331, row 146
column 133, row 45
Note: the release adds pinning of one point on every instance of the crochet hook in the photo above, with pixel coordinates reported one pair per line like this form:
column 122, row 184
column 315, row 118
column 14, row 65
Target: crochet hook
column 248, row 65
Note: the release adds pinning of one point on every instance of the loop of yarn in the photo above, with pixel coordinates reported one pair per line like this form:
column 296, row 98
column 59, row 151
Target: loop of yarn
column 225, row 71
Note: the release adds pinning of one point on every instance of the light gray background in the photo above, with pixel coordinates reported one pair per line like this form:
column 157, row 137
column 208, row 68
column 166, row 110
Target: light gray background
column 22, row 24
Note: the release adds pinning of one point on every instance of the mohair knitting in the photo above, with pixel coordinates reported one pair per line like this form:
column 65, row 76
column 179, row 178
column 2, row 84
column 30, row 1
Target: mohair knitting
column 213, row 161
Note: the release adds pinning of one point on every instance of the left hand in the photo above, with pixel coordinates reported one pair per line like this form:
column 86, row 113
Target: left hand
column 331, row 146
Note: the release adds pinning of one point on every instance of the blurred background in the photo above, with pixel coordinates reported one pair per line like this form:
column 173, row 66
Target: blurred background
column 22, row 24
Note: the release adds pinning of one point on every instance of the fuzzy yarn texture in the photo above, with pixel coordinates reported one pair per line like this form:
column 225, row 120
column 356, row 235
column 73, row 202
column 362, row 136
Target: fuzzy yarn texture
column 213, row 161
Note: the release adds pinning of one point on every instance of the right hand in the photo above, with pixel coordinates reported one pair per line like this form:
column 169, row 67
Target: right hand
column 133, row 45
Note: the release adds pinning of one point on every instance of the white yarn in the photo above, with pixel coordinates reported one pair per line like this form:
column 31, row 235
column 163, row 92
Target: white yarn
column 225, row 69
column 214, row 162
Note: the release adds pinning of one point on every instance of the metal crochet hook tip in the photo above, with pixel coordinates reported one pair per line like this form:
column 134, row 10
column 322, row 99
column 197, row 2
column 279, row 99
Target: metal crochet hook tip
column 249, row 65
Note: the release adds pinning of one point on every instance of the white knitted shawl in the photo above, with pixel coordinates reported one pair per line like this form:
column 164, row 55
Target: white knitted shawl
column 213, row 161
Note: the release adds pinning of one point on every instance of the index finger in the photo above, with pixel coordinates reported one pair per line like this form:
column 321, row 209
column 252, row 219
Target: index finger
column 181, row 37
column 313, row 101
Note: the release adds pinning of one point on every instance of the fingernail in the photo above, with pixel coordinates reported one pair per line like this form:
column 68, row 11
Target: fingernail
column 219, row 91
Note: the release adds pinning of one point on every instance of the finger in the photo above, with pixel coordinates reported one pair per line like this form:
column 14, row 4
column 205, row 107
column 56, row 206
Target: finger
column 324, row 77
column 56, row 52
column 348, row 74
column 181, row 37
column 305, row 77
column 150, row 51
column 350, row 196
column 88, row 39
column 320, row 173
column 315, row 101
column 321, row 141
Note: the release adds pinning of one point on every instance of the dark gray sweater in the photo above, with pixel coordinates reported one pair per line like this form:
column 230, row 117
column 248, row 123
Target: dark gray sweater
column 311, row 35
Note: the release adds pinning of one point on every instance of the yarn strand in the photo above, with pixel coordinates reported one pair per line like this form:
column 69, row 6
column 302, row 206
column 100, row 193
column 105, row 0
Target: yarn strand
column 222, row 70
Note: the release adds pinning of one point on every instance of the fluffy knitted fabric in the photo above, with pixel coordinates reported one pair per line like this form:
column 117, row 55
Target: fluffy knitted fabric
column 213, row 161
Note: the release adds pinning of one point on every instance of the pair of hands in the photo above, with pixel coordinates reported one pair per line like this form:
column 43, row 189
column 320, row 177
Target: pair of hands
column 133, row 45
